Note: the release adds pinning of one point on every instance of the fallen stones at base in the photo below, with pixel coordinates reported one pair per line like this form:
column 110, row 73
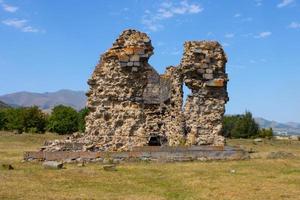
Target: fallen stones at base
column 155, row 154
column 280, row 155
column 53, row 165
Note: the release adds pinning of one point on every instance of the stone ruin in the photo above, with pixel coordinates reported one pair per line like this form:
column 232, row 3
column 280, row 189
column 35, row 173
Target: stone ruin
column 131, row 105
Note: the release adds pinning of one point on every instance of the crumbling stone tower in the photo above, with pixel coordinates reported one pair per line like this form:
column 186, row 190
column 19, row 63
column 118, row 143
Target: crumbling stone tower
column 203, row 70
column 131, row 105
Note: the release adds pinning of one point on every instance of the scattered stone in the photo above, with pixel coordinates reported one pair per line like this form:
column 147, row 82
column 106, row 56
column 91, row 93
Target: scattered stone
column 280, row 155
column 108, row 161
column 53, row 165
column 258, row 140
column 109, row 167
column 7, row 167
column 82, row 164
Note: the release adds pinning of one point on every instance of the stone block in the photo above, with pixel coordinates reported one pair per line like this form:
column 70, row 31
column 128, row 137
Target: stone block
column 215, row 83
column 130, row 64
column 53, row 165
column 123, row 57
column 134, row 69
column 208, row 76
column 136, row 64
column 135, row 58
column 129, row 51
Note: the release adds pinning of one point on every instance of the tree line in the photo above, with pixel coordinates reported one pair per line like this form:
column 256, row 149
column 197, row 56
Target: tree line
column 62, row 120
column 244, row 126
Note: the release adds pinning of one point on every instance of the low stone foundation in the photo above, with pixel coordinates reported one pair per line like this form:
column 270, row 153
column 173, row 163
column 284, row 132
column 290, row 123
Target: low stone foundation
column 150, row 153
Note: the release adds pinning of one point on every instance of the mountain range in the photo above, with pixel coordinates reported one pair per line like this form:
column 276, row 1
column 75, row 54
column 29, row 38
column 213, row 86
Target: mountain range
column 46, row 101
column 77, row 99
column 290, row 128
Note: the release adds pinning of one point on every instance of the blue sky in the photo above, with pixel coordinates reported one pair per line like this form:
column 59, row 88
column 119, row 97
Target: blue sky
column 52, row 45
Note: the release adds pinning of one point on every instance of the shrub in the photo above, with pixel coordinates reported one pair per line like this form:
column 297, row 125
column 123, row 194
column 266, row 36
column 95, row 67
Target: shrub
column 63, row 120
column 266, row 133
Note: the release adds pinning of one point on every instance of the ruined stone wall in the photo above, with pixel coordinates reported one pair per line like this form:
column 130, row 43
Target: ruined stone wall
column 203, row 69
column 131, row 105
column 129, row 101
column 116, row 118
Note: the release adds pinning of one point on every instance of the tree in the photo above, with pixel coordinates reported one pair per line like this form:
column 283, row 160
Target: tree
column 14, row 119
column 34, row 120
column 240, row 126
column 229, row 123
column 3, row 119
column 63, row 120
column 81, row 119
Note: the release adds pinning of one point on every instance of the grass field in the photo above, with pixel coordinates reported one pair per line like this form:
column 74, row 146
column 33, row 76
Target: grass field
column 257, row 178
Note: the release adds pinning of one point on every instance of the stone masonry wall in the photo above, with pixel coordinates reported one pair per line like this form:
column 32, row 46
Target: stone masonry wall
column 131, row 105
column 129, row 101
column 203, row 69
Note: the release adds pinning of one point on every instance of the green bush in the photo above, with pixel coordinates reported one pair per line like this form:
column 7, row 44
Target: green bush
column 63, row 120
column 240, row 126
column 14, row 119
column 266, row 133
column 30, row 119
column 34, row 120
column 81, row 119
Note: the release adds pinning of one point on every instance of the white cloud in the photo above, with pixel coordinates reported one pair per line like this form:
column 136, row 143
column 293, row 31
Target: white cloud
column 258, row 3
column 237, row 15
column 8, row 8
column 16, row 23
column 294, row 25
column 284, row 3
column 30, row 29
column 225, row 44
column 263, row 34
column 20, row 24
column 153, row 19
column 229, row 35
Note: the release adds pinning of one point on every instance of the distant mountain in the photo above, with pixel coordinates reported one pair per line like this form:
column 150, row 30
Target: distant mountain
column 290, row 128
column 3, row 105
column 46, row 101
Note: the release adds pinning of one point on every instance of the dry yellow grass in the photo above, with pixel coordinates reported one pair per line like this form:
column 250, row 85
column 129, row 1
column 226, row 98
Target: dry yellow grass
column 253, row 179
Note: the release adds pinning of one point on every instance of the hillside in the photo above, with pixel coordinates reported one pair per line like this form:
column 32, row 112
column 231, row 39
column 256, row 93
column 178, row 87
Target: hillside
column 48, row 100
column 281, row 128
column 3, row 105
